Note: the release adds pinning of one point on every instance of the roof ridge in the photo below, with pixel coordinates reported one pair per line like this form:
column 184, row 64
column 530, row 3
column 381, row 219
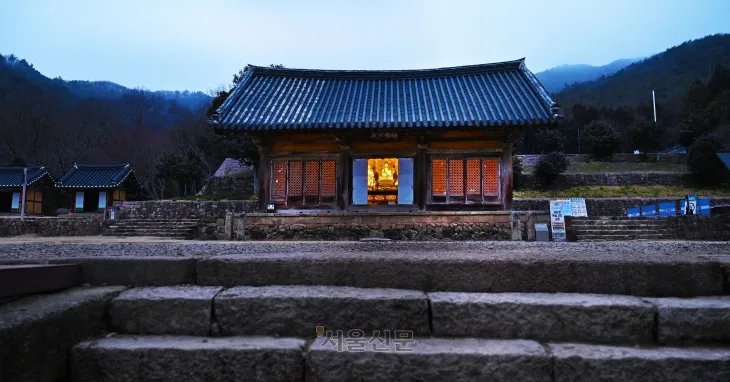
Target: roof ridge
column 400, row 73
column 101, row 165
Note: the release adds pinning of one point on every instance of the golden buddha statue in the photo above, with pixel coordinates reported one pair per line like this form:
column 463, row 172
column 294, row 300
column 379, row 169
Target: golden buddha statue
column 386, row 175
column 371, row 177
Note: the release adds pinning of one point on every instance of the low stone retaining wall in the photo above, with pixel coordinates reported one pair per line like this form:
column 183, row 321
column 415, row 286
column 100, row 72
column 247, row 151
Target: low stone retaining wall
column 624, row 157
column 396, row 226
column 603, row 206
column 714, row 227
column 50, row 226
column 204, row 210
column 529, row 181
column 242, row 184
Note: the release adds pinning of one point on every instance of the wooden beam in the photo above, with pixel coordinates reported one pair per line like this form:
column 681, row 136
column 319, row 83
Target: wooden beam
column 264, row 171
column 343, row 176
column 17, row 280
column 506, row 171
column 421, row 181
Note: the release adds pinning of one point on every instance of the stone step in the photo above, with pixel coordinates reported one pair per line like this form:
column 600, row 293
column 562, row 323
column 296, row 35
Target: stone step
column 581, row 362
column 170, row 358
column 638, row 275
column 623, row 218
column 185, row 310
column 145, row 231
column 565, row 317
column 297, row 311
column 38, row 331
column 427, row 359
column 331, row 358
column 613, row 223
column 133, row 220
column 153, row 225
column 582, row 233
column 646, row 236
column 142, row 234
column 276, row 310
column 163, row 229
column 546, row 317
column 634, row 224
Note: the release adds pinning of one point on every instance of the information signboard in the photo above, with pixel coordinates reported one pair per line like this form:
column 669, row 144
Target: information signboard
column 578, row 207
column 557, row 218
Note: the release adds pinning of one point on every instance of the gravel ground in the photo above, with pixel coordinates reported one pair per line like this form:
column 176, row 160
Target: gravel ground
column 13, row 249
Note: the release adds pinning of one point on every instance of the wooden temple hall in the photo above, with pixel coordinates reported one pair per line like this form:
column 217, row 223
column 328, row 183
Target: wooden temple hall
column 401, row 140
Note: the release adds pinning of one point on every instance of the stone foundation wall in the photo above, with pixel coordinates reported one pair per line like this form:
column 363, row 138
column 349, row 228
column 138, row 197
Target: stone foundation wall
column 529, row 181
column 714, row 227
column 395, row 226
column 241, row 184
column 624, row 157
column 603, row 206
column 50, row 226
column 204, row 210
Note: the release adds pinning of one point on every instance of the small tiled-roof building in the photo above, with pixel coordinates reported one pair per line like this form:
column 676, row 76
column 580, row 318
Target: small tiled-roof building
column 39, row 181
column 95, row 187
column 412, row 140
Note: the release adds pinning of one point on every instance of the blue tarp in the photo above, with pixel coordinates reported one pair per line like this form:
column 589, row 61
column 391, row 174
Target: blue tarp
column 634, row 212
column 649, row 211
column 703, row 207
column 668, row 209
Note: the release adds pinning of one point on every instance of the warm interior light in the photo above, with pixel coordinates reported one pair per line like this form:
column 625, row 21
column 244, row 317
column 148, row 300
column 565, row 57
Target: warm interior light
column 383, row 181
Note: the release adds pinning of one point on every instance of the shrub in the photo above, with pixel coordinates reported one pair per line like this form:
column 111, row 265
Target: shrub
column 549, row 167
column 550, row 140
column 601, row 138
column 644, row 136
column 703, row 162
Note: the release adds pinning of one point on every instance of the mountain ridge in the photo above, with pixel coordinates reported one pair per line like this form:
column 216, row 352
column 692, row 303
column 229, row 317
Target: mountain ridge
column 194, row 100
column 668, row 73
column 558, row 78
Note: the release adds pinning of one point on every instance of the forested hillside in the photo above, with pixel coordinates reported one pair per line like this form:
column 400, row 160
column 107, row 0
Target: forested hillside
column 57, row 123
column 668, row 73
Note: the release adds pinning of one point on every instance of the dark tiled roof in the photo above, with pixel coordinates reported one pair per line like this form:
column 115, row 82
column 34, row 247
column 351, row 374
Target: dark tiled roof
column 13, row 176
column 497, row 94
column 231, row 167
column 95, row 176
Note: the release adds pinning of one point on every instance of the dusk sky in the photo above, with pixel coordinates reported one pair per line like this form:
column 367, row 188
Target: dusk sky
column 199, row 45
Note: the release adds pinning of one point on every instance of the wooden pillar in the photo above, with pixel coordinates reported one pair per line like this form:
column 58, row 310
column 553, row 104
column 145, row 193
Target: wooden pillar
column 264, row 171
column 506, row 171
column 343, row 177
column 421, row 181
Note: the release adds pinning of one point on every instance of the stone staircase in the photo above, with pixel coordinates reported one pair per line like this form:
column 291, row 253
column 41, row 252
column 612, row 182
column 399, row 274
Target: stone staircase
column 164, row 228
column 319, row 318
column 623, row 228
column 351, row 316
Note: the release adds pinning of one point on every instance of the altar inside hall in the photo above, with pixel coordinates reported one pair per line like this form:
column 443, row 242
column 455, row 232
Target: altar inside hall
column 382, row 181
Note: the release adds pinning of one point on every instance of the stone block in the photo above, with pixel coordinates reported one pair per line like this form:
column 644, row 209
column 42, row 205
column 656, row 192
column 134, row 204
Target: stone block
column 430, row 359
column 164, row 310
column 298, row 310
column 37, row 332
column 436, row 271
column 579, row 362
column 544, row 317
column 693, row 320
column 173, row 358
column 135, row 271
